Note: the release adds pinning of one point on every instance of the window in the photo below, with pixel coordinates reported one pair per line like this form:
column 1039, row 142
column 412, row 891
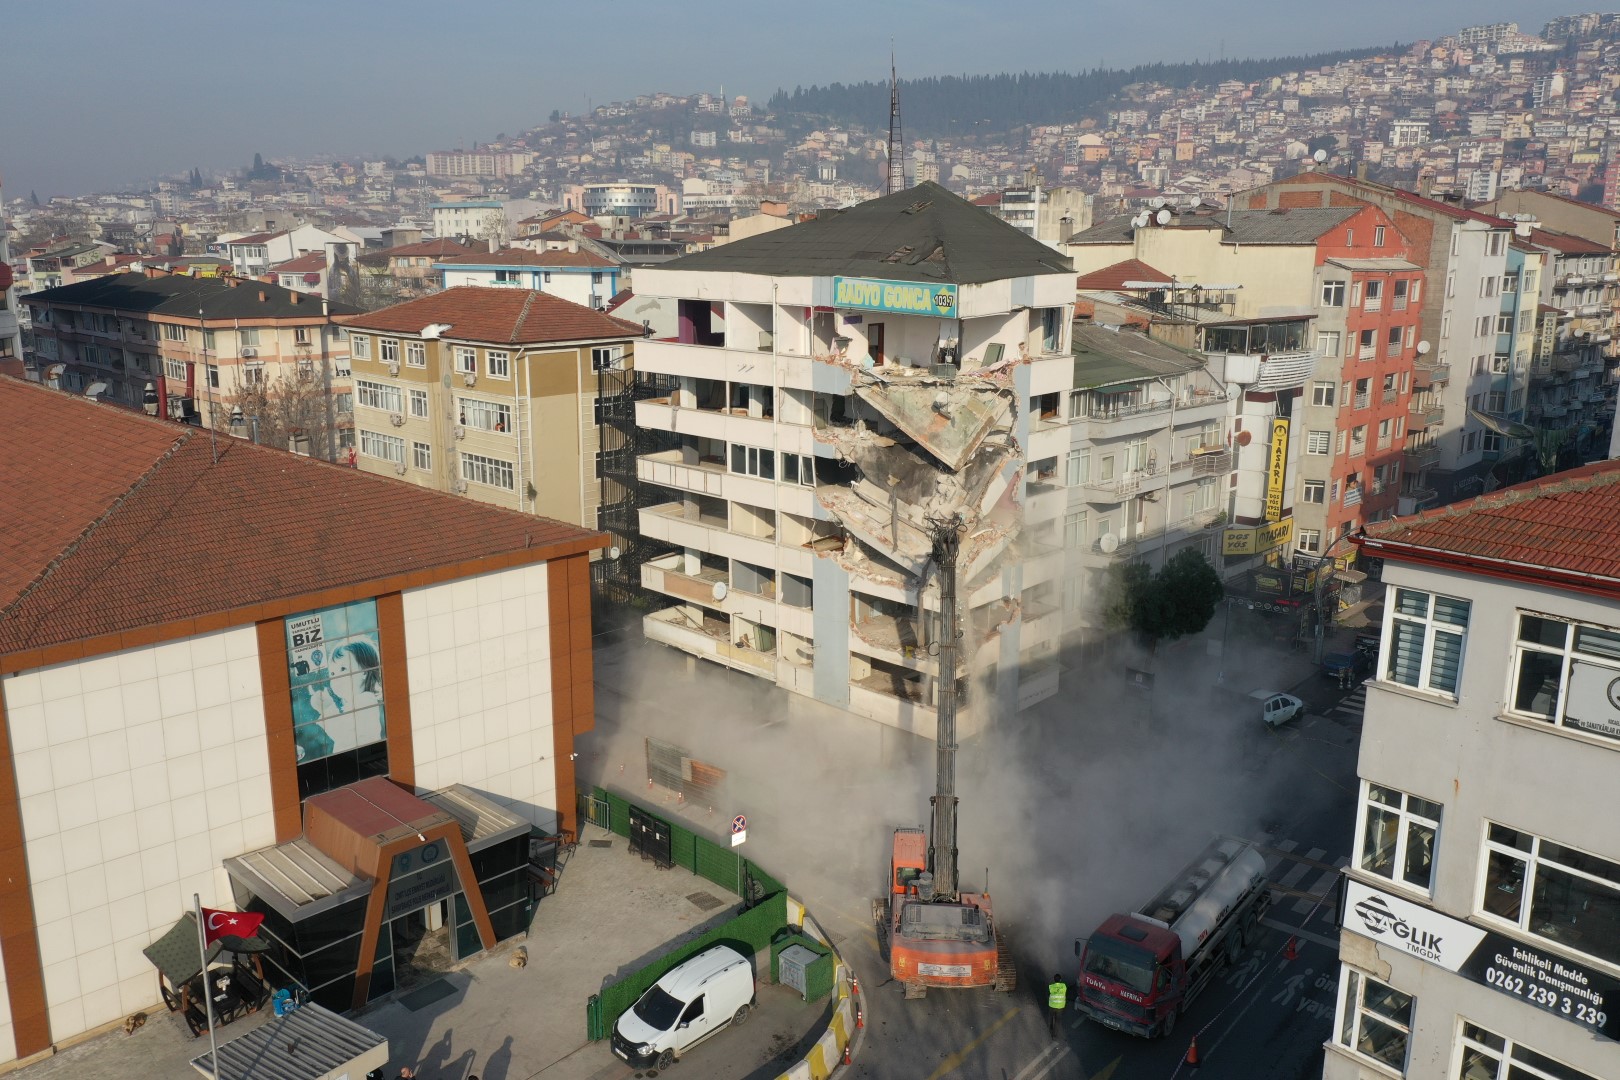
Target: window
column 606, row 357
column 1318, row 442
column 1573, row 897
column 301, row 335
column 1358, row 440
column 1309, row 541
column 1374, row 295
column 798, row 469
column 1333, row 294
column 1313, row 491
column 1074, row 529
column 1392, row 345
column 1504, row 324
column 498, row 363
column 1369, row 344
column 374, row 395
column 1496, row 402
column 1327, row 343
column 422, row 456
column 171, row 332
column 253, row 374
column 208, row 341
column 1397, row 834
column 1496, row 243
column 1374, row 1020
column 416, row 354
column 386, row 447
column 485, row 415
column 1470, row 441
column 343, row 402
column 1561, row 672
column 175, row 370
column 1423, row 642
column 1077, row 468
column 419, row 403
column 466, row 360
column 388, row 350
column 1487, row 286
column 1488, row 1056
column 213, row 376
column 1340, row 439
column 360, row 346
column 1378, row 236
column 751, row 461
column 491, row 472
column 1482, row 326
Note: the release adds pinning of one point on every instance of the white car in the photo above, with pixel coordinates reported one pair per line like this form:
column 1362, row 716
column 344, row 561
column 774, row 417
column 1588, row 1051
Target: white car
column 1277, row 708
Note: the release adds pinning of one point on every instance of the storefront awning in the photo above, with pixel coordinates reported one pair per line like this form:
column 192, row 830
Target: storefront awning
column 177, row 956
column 309, row 1043
column 297, row 879
column 1508, row 428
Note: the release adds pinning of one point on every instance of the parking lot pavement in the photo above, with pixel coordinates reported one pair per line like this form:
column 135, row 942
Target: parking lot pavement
column 611, row 914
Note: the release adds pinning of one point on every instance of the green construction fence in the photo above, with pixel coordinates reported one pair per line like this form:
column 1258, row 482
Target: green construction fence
column 749, row 932
column 819, row 976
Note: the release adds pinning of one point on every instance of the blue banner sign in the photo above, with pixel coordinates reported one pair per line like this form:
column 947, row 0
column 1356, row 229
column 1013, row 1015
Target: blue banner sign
column 901, row 297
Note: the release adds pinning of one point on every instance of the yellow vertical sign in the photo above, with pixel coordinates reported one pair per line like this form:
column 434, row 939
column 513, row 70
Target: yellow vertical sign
column 1276, row 469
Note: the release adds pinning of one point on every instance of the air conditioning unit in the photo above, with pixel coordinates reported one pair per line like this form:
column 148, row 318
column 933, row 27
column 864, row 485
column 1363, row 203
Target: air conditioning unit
column 399, row 468
column 249, row 353
column 469, row 378
column 393, row 369
column 461, row 432
column 396, row 419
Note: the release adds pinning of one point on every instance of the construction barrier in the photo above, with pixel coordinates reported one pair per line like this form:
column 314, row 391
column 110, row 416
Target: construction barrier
column 828, row 1052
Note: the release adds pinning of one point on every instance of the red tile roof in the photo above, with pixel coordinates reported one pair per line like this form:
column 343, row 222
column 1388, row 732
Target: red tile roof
column 1115, row 276
column 254, row 238
column 313, row 262
column 1567, row 244
column 1567, row 523
column 116, row 522
column 507, row 316
column 527, row 257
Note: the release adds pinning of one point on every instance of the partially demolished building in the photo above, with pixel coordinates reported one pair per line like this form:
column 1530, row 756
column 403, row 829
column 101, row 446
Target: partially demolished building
column 835, row 390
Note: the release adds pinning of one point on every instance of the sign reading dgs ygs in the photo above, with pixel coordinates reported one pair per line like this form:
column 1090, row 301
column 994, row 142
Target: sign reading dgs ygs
column 1567, row 988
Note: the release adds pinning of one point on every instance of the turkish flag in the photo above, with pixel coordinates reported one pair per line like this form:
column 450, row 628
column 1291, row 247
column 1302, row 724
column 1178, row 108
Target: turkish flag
column 237, row 924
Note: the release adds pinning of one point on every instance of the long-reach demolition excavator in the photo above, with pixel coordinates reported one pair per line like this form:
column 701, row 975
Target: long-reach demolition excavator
column 935, row 935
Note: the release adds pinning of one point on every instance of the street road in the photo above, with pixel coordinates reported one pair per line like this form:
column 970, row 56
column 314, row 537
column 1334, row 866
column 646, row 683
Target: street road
column 1077, row 808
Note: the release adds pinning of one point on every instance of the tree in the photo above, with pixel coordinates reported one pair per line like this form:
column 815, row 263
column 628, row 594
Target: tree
column 294, row 412
column 1178, row 600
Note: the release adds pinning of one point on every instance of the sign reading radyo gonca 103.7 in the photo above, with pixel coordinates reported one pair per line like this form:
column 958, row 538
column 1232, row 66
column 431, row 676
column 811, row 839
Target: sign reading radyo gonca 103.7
column 900, row 297
column 1568, row 988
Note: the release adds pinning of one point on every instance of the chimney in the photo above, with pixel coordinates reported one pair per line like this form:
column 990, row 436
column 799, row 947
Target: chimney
column 1425, row 184
column 494, row 245
column 573, row 245
column 261, row 296
column 294, row 296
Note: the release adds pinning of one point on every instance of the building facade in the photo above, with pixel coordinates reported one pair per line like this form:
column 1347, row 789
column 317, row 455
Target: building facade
column 576, row 275
column 488, row 393
column 622, row 199
column 1479, row 934
column 10, row 331
column 286, row 733
column 830, row 408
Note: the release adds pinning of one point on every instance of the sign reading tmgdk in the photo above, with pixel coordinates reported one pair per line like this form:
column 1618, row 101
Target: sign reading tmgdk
column 901, row 297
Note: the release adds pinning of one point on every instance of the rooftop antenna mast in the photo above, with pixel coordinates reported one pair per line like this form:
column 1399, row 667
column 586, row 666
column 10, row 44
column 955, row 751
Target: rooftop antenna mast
column 897, row 159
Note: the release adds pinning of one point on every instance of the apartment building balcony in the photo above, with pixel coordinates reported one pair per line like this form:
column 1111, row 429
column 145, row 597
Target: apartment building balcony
column 1414, row 499
column 669, row 469
column 898, row 639
column 1205, row 461
column 728, row 424
column 1421, row 416
column 704, row 529
column 1421, row 457
column 736, row 364
column 703, row 634
column 1430, row 374
column 888, row 697
column 1567, row 280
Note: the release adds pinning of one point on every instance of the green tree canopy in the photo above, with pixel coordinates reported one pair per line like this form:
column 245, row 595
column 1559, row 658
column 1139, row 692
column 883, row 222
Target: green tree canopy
column 1178, row 600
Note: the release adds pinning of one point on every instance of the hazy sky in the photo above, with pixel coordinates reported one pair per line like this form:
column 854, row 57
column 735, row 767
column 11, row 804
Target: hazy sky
column 102, row 94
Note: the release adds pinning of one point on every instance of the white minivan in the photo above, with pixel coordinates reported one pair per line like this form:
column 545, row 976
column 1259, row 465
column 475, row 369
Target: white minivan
column 711, row 991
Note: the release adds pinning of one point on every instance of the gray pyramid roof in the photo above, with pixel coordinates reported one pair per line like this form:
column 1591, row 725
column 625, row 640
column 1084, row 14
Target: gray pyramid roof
column 924, row 233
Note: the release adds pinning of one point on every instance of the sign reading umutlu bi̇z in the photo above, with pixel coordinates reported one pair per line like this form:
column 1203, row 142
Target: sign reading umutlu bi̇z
column 1546, row 980
column 901, row 297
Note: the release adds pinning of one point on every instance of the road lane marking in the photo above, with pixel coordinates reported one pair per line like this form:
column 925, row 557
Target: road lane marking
column 1045, row 1061
column 1305, row 935
column 1292, row 879
column 954, row 1062
column 1108, row 1069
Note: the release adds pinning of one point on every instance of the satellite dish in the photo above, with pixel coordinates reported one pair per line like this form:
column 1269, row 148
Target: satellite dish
column 720, row 590
column 1423, row 348
column 1156, row 202
column 1162, row 217
column 1109, row 543
column 95, row 390
column 1320, row 156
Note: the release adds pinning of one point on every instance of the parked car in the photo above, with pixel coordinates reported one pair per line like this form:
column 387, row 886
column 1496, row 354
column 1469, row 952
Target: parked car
column 1345, row 667
column 1277, row 708
column 702, row 997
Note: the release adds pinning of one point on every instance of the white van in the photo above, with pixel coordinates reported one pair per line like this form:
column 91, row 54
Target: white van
column 709, row 992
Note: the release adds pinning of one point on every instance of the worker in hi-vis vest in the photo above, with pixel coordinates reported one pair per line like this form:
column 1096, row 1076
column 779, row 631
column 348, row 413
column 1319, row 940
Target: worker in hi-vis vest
column 1057, row 998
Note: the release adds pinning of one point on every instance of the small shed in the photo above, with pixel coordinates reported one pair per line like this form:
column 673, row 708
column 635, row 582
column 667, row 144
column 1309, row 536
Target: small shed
column 180, row 962
column 308, row 1043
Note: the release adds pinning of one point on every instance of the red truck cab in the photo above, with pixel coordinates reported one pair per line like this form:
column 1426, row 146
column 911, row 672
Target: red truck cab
column 1132, row 977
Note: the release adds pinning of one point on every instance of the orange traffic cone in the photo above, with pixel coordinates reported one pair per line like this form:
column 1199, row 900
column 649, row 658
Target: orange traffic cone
column 1291, row 950
column 860, row 1018
column 846, row 1054
column 1192, row 1053
column 855, row 985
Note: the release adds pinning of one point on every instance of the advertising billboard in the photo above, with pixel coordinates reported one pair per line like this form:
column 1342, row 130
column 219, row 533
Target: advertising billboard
column 900, row 297
column 336, row 679
column 1276, row 469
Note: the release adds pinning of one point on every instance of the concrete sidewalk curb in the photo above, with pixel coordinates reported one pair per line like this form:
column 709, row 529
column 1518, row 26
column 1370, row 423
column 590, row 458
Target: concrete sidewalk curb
column 827, row 1055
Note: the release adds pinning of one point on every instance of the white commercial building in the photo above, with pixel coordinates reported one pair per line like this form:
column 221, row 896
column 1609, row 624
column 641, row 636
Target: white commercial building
column 1481, row 922
column 834, row 390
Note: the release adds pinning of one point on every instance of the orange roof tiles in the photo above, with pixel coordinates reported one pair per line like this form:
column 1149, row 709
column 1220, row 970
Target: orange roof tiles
column 1115, row 276
column 508, row 316
column 310, row 263
column 115, row 522
column 1568, row 522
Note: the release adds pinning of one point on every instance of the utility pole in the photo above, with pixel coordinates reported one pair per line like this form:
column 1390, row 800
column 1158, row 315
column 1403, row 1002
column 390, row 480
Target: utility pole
column 947, row 537
column 897, row 152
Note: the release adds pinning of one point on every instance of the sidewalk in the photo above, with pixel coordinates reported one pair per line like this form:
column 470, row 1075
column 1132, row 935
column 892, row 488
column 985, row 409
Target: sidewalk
column 610, row 915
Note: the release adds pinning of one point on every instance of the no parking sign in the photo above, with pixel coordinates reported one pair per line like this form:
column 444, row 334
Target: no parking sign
column 739, row 830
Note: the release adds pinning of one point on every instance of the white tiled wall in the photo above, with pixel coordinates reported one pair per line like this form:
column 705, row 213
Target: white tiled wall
column 478, row 653
column 138, row 772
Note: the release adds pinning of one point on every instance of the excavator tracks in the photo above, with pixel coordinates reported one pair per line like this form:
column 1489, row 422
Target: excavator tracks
column 1006, row 972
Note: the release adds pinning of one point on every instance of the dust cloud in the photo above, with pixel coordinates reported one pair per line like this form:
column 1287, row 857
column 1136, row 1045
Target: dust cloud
column 1082, row 806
